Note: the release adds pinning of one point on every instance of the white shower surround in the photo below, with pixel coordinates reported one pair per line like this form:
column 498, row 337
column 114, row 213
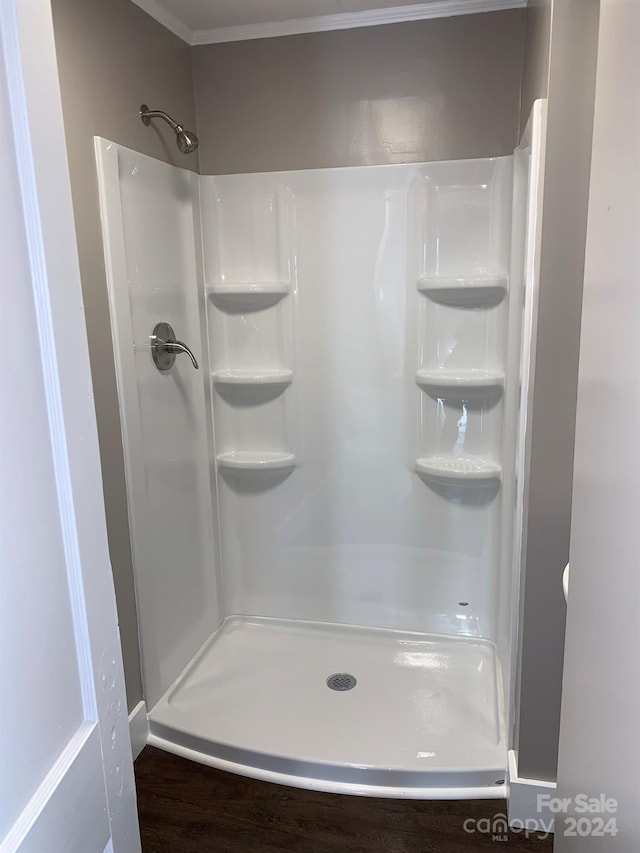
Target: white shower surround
column 359, row 336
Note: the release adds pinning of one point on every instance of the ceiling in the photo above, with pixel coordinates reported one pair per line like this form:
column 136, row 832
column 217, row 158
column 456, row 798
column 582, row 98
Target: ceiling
column 211, row 21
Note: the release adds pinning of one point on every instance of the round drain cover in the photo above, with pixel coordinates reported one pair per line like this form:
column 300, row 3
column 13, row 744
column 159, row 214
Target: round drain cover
column 341, row 681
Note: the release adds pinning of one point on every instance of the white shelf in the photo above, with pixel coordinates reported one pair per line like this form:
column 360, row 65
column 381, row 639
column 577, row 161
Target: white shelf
column 476, row 291
column 247, row 295
column 245, row 460
column 244, row 378
column 465, row 470
column 471, row 384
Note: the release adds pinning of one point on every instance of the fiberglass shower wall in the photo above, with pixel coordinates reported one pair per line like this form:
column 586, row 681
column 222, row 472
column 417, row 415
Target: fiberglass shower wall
column 345, row 456
column 151, row 226
column 358, row 330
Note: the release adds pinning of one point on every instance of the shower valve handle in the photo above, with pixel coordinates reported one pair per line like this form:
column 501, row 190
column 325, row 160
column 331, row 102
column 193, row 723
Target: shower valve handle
column 178, row 347
column 165, row 347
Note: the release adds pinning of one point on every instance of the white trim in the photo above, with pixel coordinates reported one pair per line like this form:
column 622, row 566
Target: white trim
column 138, row 728
column 40, row 282
column 522, row 800
column 45, row 823
column 166, row 18
column 37, row 123
column 47, row 788
column 324, row 23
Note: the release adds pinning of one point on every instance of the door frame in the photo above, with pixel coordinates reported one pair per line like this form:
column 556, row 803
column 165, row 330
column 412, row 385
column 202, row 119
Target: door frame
column 36, row 118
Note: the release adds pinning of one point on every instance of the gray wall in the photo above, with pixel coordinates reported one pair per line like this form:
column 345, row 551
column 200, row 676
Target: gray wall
column 111, row 57
column 535, row 75
column 439, row 89
column 571, row 89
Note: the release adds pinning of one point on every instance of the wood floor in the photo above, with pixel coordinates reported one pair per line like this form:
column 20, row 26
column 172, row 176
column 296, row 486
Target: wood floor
column 188, row 808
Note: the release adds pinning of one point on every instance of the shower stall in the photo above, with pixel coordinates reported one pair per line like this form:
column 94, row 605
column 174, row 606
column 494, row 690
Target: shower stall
column 326, row 501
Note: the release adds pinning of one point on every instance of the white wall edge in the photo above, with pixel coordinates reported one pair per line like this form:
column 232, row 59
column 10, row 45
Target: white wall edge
column 138, row 728
column 324, row 23
column 523, row 807
column 533, row 141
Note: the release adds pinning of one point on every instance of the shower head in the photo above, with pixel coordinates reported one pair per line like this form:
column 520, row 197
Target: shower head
column 186, row 139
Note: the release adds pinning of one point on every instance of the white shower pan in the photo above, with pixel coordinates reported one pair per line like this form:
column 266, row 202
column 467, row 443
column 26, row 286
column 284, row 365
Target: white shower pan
column 424, row 719
column 339, row 488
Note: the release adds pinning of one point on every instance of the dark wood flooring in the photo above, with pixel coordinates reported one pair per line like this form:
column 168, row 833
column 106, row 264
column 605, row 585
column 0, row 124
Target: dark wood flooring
column 189, row 808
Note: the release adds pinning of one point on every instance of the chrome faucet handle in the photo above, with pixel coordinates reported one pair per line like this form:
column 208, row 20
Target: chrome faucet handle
column 165, row 347
column 178, row 347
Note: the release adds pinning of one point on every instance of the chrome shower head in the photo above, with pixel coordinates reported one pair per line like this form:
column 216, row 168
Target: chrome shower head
column 186, row 139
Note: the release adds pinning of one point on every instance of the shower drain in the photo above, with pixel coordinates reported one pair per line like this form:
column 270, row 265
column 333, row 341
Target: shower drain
column 341, row 681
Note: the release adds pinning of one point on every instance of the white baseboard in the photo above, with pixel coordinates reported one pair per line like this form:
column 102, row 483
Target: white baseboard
column 138, row 728
column 524, row 809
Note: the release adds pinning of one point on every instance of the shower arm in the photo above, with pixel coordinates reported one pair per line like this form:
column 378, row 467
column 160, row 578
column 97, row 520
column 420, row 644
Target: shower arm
column 147, row 115
column 186, row 140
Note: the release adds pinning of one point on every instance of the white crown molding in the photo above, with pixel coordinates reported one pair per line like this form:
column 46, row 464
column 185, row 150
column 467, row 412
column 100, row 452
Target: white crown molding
column 349, row 20
column 166, row 18
column 324, row 23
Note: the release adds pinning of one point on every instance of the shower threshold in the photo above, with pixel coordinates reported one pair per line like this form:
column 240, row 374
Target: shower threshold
column 423, row 720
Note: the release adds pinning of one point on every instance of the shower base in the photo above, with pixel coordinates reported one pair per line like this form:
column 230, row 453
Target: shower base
column 424, row 719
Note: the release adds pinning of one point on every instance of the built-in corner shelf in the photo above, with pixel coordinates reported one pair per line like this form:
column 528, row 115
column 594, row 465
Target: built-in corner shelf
column 274, row 378
column 247, row 295
column 476, row 291
column 256, row 461
column 472, row 471
column 471, row 384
